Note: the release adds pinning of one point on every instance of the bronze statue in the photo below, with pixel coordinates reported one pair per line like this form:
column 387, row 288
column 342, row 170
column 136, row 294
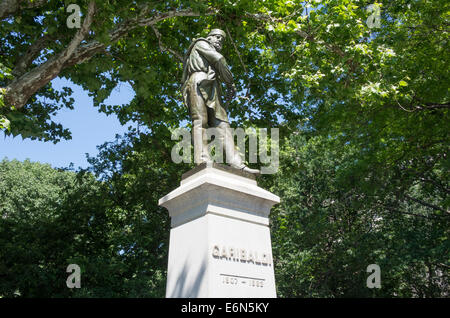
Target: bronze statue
column 204, row 69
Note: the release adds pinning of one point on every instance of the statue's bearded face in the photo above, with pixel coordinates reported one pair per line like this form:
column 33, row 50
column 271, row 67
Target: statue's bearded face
column 216, row 40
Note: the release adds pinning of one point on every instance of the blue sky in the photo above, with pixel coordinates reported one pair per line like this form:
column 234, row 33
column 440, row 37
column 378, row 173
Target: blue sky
column 89, row 129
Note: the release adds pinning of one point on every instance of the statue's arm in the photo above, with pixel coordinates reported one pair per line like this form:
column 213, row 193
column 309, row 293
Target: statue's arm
column 216, row 59
column 227, row 77
column 225, row 74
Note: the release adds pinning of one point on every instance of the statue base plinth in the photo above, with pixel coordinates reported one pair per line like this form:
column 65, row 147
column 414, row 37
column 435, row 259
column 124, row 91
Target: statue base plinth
column 220, row 242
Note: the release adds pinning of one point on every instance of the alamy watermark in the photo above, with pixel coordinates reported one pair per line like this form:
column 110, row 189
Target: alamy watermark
column 73, row 20
column 74, row 279
column 374, row 279
column 374, row 20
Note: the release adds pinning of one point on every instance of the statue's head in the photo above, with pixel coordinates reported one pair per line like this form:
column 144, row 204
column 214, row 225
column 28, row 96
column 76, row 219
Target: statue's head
column 216, row 37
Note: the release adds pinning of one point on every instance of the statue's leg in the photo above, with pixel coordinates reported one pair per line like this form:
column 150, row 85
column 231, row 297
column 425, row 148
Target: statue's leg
column 199, row 118
column 233, row 158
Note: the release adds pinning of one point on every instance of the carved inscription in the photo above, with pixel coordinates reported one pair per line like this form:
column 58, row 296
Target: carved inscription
column 241, row 255
column 242, row 280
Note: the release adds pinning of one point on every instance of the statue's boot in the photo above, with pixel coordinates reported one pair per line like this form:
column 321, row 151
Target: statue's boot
column 250, row 170
column 232, row 154
column 245, row 168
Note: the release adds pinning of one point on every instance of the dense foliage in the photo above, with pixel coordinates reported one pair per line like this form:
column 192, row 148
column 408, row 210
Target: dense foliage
column 333, row 223
column 52, row 218
column 363, row 118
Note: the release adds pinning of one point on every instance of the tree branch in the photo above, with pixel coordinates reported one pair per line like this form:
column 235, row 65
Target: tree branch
column 9, row 7
column 433, row 106
column 435, row 183
column 30, row 55
column 307, row 36
column 21, row 89
column 432, row 206
column 412, row 214
column 164, row 48
column 421, row 106
column 17, row 93
column 86, row 51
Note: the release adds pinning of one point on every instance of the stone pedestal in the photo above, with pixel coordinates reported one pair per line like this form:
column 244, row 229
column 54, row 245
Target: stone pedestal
column 220, row 240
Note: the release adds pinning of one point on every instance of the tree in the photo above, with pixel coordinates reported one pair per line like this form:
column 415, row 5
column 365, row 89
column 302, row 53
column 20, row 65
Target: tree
column 330, row 226
column 52, row 218
column 37, row 235
column 116, row 42
column 35, row 58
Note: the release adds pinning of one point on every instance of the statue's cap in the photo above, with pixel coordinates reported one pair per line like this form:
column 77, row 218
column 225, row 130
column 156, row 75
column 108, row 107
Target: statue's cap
column 217, row 31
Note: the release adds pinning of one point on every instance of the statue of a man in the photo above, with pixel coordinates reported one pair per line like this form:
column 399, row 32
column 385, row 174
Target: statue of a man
column 204, row 69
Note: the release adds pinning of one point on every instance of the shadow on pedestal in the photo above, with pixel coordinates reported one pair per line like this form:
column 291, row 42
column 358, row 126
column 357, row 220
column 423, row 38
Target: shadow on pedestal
column 184, row 287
